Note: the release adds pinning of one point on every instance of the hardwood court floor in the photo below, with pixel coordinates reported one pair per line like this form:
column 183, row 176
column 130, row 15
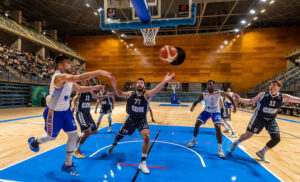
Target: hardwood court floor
column 285, row 158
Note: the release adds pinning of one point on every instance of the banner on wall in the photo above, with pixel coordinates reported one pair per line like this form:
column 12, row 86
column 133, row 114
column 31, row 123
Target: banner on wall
column 39, row 94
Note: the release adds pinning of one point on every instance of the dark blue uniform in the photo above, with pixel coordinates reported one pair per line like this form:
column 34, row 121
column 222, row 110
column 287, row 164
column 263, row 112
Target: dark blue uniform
column 106, row 105
column 83, row 114
column 136, row 108
column 265, row 114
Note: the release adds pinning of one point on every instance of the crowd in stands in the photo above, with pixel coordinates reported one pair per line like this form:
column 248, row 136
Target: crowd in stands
column 28, row 64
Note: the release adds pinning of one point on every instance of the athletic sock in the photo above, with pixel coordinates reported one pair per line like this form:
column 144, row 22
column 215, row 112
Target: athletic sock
column 144, row 157
column 68, row 161
column 263, row 151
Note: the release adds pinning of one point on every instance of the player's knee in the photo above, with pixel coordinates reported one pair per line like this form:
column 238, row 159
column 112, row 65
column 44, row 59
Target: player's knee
column 275, row 139
column 218, row 126
column 146, row 137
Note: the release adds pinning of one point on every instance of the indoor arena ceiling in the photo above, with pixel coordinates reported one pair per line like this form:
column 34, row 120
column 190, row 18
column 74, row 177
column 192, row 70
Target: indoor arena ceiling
column 74, row 17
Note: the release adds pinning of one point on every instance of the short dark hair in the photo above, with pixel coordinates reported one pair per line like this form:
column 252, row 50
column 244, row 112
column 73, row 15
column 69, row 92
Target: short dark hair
column 60, row 59
column 277, row 82
column 141, row 79
column 211, row 81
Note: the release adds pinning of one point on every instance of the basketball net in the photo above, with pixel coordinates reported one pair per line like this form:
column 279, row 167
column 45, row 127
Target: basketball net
column 149, row 35
column 174, row 85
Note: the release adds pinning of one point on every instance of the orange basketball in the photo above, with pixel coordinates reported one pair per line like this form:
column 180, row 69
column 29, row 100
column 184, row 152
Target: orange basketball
column 168, row 54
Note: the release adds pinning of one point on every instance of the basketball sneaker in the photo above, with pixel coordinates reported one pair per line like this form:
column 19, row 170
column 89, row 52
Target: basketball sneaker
column 109, row 129
column 78, row 154
column 70, row 170
column 192, row 143
column 233, row 135
column 226, row 131
column 33, row 145
column 143, row 167
column 221, row 154
column 262, row 157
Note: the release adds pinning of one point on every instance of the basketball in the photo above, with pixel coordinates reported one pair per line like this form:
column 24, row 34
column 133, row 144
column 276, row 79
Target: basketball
column 168, row 54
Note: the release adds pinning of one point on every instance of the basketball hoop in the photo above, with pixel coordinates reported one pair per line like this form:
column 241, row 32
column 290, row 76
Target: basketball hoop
column 149, row 35
column 173, row 86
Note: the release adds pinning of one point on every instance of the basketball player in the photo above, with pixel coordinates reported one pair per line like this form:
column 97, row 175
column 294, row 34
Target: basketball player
column 107, row 106
column 58, row 115
column 212, row 98
column 228, row 103
column 225, row 119
column 268, row 104
column 83, row 116
column 136, row 108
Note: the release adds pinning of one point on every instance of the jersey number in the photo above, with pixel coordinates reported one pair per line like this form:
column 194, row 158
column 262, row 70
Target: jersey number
column 272, row 103
column 87, row 97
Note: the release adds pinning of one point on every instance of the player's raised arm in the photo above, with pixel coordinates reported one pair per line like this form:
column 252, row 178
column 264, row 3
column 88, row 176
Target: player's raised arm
column 151, row 93
column 249, row 101
column 83, row 89
column 97, row 97
column 196, row 102
column 289, row 98
column 61, row 79
column 224, row 94
column 74, row 101
column 119, row 93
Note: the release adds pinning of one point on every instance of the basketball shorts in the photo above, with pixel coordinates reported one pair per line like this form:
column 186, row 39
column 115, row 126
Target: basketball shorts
column 85, row 121
column 257, row 123
column 204, row 116
column 57, row 120
column 105, row 109
column 131, row 124
column 228, row 105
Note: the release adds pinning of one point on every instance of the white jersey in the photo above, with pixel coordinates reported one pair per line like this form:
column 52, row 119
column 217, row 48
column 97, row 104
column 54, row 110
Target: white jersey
column 59, row 98
column 212, row 101
column 230, row 94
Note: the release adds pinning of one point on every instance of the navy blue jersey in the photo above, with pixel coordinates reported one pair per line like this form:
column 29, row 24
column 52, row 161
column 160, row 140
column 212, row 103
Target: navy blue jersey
column 106, row 102
column 268, row 106
column 84, row 103
column 137, row 106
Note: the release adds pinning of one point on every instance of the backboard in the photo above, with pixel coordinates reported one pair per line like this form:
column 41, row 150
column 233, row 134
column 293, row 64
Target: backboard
column 123, row 11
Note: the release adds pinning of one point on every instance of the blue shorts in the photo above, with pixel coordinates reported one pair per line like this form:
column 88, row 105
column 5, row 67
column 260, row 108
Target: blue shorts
column 57, row 120
column 204, row 116
column 228, row 105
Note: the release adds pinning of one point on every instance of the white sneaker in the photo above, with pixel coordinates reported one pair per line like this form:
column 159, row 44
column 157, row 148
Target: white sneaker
column 192, row 143
column 109, row 129
column 262, row 157
column 144, row 168
column 221, row 154
column 226, row 131
column 233, row 135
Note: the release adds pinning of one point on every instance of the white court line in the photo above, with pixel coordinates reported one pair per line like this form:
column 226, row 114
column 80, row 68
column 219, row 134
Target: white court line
column 244, row 150
column 201, row 159
column 38, row 154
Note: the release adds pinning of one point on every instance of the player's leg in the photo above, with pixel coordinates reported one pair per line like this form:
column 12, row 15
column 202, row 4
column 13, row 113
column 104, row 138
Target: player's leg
column 229, row 106
column 53, row 124
column 145, row 132
column 99, row 119
column 128, row 128
column 202, row 118
column 70, row 128
column 151, row 114
column 109, row 121
column 228, row 124
column 272, row 128
column 216, row 117
column 223, row 116
column 255, row 126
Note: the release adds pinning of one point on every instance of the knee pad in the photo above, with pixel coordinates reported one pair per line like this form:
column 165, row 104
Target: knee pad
column 275, row 139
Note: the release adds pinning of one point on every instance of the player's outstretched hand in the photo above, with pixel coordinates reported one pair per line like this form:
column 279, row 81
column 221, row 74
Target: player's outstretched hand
column 99, row 87
column 105, row 73
column 169, row 77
